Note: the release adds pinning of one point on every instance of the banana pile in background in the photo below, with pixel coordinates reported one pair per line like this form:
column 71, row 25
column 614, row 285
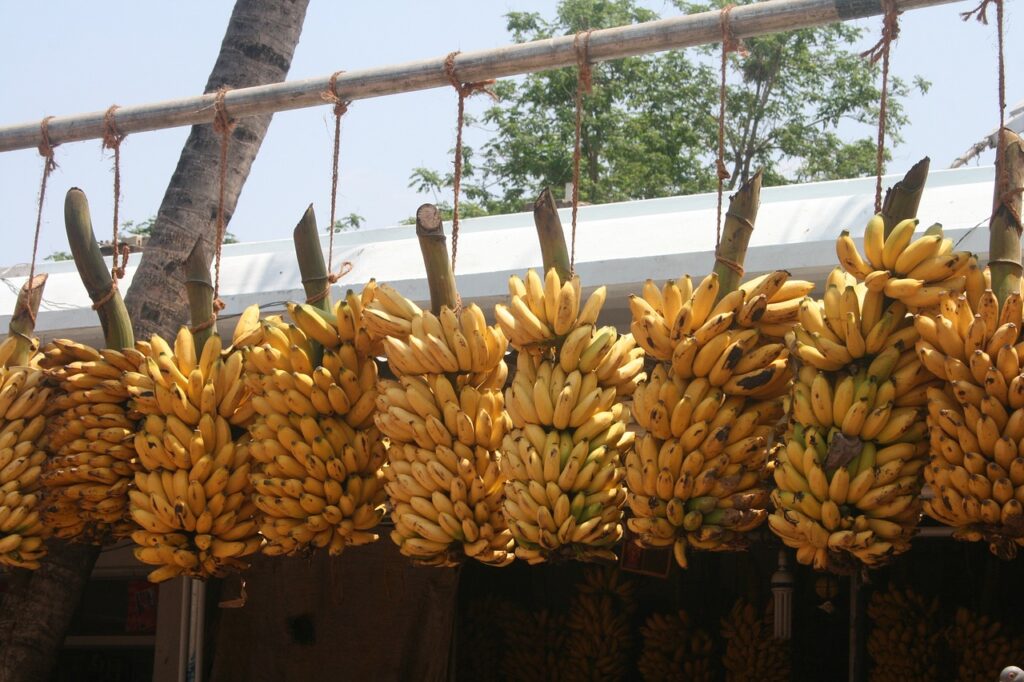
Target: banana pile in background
column 23, row 399
column 317, row 456
column 600, row 629
column 751, row 650
column 91, row 442
column 445, row 418
column 697, row 477
column 849, row 477
column 675, row 649
column 562, row 459
column 907, row 637
column 191, row 498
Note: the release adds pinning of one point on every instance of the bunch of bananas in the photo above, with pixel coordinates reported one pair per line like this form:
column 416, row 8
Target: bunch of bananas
column 564, row 495
column 534, row 643
column 484, row 627
column 976, row 422
column 906, row 639
column 23, row 396
column 751, row 650
column 317, row 477
column 912, row 271
column 848, row 479
column 981, row 647
column 418, row 342
column 674, row 649
column 599, row 624
column 445, row 424
column 709, row 409
column 191, row 497
column 542, row 313
column 91, row 436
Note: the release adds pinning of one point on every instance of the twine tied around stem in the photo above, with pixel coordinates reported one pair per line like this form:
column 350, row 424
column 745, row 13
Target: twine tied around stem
column 49, row 165
column 880, row 51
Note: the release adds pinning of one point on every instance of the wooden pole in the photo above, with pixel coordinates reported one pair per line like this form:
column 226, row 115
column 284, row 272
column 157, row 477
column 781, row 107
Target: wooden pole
column 200, row 295
column 23, row 321
column 95, row 274
column 739, row 225
column 1005, row 227
column 903, row 198
column 704, row 28
column 310, row 256
column 440, row 278
column 549, row 231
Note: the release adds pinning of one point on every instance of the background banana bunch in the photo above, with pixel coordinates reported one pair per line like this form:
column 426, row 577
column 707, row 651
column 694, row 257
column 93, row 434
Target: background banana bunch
column 710, row 408
column 980, row 647
column 317, row 477
column 976, row 422
column 191, row 497
column 751, row 650
column 91, row 433
column 907, row 638
column 564, row 495
column 599, row 645
column 445, row 423
column 23, row 398
column 674, row 649
column 913, row 271
column 848, row 479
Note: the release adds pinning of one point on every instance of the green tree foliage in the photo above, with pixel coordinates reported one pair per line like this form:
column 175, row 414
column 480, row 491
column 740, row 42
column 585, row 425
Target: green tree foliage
column 350, row 223
column 802, row 105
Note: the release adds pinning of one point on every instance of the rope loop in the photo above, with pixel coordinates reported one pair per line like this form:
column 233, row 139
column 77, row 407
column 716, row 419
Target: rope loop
column 730, row 43
column 222, row 125
column 584, row 86
column 112, row 139
column 340, row 109
column 49, row 165
column 880, row 51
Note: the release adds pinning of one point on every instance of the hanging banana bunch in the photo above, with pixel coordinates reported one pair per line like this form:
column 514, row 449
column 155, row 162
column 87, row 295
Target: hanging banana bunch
column 445, row 418
column 710, row 408
column 675, row 649
column 751, row 650
column 317, row 478
column 976, row 421
column 91, row 433
column 191, row 497
column 563, row 458
column 849, row 476
column 599, row 627
column 23, row 399
column 906, row 639
column 912, row 271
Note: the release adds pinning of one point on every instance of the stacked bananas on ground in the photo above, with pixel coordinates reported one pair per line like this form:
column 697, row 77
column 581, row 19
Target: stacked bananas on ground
column 191, row 497
column 534, row 644
column 697, row 476
column 674, row 649
column 751, row 650
column 848, row 479
column 445, row 423
column 912, row 271
column 599, row 645
column 317, row 477
column 23, row 396
column 564, row 495
column 981, row 647
column 976, row 422
column 906, row 640
column 91, row 433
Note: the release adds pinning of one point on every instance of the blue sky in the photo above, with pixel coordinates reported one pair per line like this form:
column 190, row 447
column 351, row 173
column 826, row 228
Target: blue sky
column 69, row 57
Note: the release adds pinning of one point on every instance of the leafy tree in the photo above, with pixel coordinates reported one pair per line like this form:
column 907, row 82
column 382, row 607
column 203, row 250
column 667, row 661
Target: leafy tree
column 59, row 256
column 801, row 105
column 350, row 223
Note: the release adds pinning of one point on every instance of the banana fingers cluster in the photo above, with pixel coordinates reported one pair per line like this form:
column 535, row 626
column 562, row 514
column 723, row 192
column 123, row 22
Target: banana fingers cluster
column 906, row 639
column 541, row 313
column 91, row 436
column 751, row 650
column 600, row 627
column 980, row 646
column 912, row 271
column 191, row 498
column 23, row 396
column 674, row 648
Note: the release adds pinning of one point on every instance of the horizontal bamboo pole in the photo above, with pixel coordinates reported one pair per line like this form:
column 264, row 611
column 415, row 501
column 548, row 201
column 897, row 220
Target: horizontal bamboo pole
column 704, row 28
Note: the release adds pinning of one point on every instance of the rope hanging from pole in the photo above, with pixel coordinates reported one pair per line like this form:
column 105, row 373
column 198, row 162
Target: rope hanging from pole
column 880, row 51
column 730, row 43
column 584, row 85
column 112, row 139
column 49, row 165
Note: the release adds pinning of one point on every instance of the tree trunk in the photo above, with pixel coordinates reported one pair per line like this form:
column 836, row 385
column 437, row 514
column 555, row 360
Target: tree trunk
column 257, row 49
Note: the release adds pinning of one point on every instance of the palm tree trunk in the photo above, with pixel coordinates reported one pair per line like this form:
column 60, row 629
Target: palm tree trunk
column 258, row 46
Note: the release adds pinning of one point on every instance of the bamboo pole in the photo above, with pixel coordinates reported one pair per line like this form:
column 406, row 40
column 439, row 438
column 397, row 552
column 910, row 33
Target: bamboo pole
column 117, row 327
column 903, row 198
column 739, row 225
column 200, row 295
column 553, row 250
column 440, row 278
column 310, row 256
column 23, row 321
column 704, row 28
column 1005, row 227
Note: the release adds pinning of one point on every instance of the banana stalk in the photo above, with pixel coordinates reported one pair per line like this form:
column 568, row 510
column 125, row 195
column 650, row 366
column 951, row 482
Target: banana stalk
column 903, row 198
column 1005, row 229
column 310, row 256
column 553, row 250
column 200, row 294
column 739, row 225
column 23, row 321
column 440, row 277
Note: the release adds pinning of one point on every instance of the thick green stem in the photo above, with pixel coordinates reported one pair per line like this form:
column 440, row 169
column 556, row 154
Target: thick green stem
column 434, row 246
column 903, row 198
column 200, row 295
column 549, row 232
column 117, row 327
column 310, row 257
column 739, row 225
column 1005, row 228
column 23, row 321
